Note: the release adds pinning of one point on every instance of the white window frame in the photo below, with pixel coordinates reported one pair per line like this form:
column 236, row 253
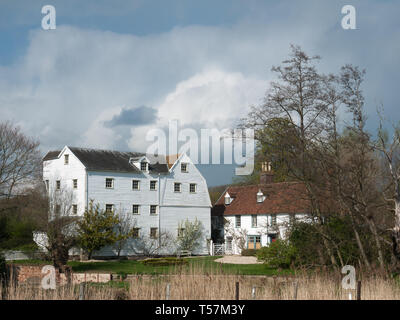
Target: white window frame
column 74, row 209
column 146, row 166
column 138, row 209
column 109, row 204
column 155, row 185
column 58, row 184
column 66, row 159
column 112, row 183
column 180, row 187
column 238, row 221
column 156, row 235
column 186, row 167
column 75, row 183
column 138, row 184
column 254, row 221
column 152, row 206
column 138, row 233
column 195, row 187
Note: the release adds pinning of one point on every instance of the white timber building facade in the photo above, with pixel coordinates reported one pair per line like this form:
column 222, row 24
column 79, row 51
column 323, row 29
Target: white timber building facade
column 158, row 196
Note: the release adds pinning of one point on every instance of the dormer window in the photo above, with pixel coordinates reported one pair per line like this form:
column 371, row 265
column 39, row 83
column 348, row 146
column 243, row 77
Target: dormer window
column 184, row 167
column 66, row 158
column 260, row 196
column 143, row 166
column 228, row 199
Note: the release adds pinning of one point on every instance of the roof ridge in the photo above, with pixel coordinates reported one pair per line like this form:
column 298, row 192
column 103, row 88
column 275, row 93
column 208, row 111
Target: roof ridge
column 104, row 150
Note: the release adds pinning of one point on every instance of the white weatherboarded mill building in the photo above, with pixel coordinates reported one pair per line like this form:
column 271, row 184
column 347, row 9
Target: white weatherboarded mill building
column 158, row 196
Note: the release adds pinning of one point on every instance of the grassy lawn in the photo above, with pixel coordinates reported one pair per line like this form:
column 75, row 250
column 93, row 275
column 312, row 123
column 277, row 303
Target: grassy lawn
column 205, row 263
column 136, row 267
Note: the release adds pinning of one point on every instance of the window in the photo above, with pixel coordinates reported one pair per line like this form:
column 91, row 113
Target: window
column 75, row 183
column 181, row 232
column 254, row 221
column 135, row 233
column 135, row 209
column 135, row 184
column 74, row 209
column 192, row 188
column 184, row 167
column 58, row 209
column 47, row 184
column 238, row 221
column 153, row 185
column 58, row 184
column 229, row 241
column 109, row 183
column 273, row 219
column 177, row 187
column 143, row 166
column 66, row 158
column 153, row 210
column 153, row 233
column 109, row 207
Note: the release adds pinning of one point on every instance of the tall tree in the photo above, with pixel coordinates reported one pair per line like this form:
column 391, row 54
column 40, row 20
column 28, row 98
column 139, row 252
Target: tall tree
column 19, row 158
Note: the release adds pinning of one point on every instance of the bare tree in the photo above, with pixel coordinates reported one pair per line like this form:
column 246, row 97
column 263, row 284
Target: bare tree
column 390, row 149
column 125, row 230
column 19, row 158
column 58, row 234
column 239, row 235
column 151, row 245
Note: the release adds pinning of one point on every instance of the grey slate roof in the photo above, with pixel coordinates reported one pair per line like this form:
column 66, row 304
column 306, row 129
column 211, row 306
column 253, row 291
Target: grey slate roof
column 108, row 160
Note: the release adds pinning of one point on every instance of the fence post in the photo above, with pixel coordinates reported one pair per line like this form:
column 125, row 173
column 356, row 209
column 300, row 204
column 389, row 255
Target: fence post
column 253, row 292
column 359, row 290
column 167, row 291
column 295, row 287
column 82, row 291
column 237, row 290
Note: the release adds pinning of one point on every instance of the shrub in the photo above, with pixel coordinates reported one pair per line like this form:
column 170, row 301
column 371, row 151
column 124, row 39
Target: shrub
column 249, row 252
column 2, row 266
column 279, row 254
column 159, row 262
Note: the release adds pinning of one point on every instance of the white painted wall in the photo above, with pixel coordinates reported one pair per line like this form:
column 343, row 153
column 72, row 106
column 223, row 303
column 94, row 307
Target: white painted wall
column 54, row 170
column 263, row 228
column 173, row 207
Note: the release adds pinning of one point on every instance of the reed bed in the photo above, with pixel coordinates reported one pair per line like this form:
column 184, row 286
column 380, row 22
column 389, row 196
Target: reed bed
column 200, row 283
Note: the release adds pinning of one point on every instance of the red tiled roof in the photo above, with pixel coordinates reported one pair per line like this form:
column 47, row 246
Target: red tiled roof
column 283, row 197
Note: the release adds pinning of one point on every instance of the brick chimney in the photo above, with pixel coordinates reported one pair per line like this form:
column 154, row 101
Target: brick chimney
column 266, row 175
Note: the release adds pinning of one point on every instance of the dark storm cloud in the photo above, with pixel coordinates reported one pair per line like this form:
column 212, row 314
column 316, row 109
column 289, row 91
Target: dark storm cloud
column 135, row 116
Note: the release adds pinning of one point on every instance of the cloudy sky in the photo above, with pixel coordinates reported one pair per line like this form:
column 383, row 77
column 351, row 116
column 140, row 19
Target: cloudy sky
column 113, row 70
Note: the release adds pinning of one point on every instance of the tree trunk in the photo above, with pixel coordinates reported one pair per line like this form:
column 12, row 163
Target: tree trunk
column 396, row 230
column 374, row 232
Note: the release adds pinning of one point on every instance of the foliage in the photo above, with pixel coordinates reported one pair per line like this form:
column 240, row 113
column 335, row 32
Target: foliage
column 279, row 254
column 96, row 229
column 2, row 266
column 249, row 252
column 190, row 235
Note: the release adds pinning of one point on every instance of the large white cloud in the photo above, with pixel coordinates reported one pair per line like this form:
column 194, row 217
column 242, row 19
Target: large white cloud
column 71, row 81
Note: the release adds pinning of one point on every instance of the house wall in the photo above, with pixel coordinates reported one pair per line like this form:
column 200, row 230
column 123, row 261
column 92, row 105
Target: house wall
column 54, row 170
column 173, row 207
column 263, row 228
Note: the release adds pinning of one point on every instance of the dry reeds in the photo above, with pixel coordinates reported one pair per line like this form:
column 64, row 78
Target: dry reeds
column 200, row 283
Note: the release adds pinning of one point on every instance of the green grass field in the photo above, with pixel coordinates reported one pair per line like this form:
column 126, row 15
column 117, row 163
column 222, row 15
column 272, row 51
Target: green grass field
column 136, row 267
column 204, row 263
